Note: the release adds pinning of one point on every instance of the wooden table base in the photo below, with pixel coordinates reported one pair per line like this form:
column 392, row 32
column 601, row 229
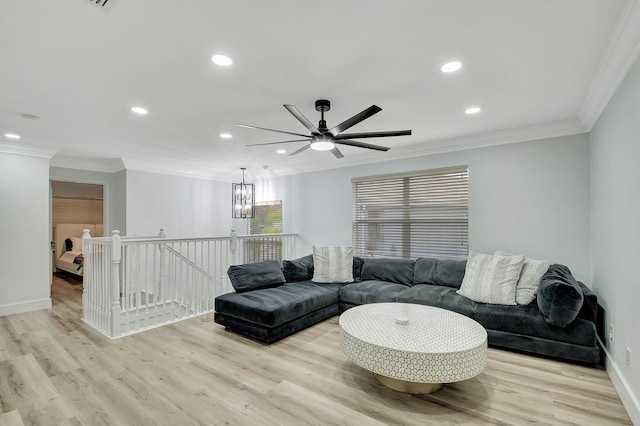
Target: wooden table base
column 408, row 387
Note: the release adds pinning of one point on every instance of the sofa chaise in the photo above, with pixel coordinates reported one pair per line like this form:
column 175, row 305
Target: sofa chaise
column 274, row 300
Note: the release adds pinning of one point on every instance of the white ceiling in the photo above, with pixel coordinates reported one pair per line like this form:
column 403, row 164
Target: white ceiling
column 537, row 68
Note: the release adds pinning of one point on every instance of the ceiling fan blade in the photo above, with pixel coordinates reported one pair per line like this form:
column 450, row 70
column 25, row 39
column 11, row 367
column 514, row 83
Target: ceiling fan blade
column 373, row 134
column 373, row 109
column 272, row 130
column 335, row 151
column 362, row 145
column 301, row 118
column 276, row 143
column 300, row 150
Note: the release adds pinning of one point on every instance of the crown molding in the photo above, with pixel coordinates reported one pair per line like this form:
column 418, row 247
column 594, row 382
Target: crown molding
column 150, row 167
column 103, row 165
column 621, row 54
column 27, row 150
column 481, row 140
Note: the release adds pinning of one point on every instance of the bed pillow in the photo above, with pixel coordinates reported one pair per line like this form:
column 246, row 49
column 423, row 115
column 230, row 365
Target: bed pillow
column 332, row 264
column 529, row 281
column 560, row 297
column 491, row 278
column 300, row 269
column 254, row 276
column 77, row 243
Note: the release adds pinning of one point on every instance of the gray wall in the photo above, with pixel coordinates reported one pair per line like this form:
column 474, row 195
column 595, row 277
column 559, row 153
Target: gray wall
column 184, row 207
column 114, row 197
column 25, row 252
column 615, row 231
column 530, row 198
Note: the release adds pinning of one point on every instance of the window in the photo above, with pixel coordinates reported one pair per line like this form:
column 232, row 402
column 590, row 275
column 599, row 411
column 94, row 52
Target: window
column 268, row 220
column 411, row 215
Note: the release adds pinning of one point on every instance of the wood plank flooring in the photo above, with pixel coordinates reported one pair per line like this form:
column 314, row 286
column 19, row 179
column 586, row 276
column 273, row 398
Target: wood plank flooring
column 56, row 370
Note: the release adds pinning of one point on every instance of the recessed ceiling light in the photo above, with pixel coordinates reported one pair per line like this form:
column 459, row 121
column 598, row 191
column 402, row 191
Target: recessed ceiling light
column 226, row 135
column 139, row 110
column 281, row 151
column 222, row 60
column 472, row 110
column 451, row 66
column 11, row 136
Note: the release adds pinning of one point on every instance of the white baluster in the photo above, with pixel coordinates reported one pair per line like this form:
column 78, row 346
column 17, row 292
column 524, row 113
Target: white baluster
column 233, row 246
column 161, row 276
column 115, row 283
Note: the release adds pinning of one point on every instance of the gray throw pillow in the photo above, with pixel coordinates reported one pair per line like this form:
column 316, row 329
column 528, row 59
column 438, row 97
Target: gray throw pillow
column 300, row 269
column 559, row 296
column 254, row 276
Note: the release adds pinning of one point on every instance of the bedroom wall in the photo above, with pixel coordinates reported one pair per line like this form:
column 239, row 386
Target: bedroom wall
column 184, row 207
column 24, row 232
column 530, row 198
column 615, row 203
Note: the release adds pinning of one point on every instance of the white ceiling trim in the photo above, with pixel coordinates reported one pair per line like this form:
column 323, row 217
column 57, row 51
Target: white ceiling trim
column 621, row 54
column 95, row 165
column 150, row 167
column 21, row 149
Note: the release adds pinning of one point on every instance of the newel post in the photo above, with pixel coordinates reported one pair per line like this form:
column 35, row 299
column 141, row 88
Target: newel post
column 162, row 246
column 85, row 283
column 116, row 254
column 233, row 246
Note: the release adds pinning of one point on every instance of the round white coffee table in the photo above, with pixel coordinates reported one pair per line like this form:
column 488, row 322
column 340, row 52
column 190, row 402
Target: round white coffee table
column 413, row 348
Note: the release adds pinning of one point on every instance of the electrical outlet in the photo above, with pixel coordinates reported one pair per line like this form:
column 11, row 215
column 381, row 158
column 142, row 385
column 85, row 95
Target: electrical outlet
column 628, row 360
column 611, row 333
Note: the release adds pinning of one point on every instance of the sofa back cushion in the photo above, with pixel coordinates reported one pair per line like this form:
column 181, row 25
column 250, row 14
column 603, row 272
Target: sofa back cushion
column 254, row 276
column 444, row 272
column 559, row 296
column 392, row 270
column 300, row 269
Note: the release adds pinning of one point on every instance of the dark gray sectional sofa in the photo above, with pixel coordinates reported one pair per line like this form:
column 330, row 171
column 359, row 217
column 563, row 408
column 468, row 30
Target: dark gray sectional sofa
column 273, row 301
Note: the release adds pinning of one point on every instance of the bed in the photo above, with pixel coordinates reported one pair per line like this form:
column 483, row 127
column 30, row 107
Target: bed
column 68, row 239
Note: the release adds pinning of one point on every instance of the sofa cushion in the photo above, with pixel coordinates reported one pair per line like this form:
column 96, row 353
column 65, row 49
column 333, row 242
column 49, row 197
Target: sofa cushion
column 559, row 296
column 254, row 276
column 521, row 320
column 332, row 264
column 530, row 276
column 275, row 306
column 445, row 272
column 300, row 269
column 357, row 268
column 399, row 271
column 491, row 278
column 370, row 291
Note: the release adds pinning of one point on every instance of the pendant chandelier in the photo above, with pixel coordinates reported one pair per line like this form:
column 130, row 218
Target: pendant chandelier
column 243, row 201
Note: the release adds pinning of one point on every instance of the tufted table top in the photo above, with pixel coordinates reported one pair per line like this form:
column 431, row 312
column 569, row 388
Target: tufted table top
column 433, row 346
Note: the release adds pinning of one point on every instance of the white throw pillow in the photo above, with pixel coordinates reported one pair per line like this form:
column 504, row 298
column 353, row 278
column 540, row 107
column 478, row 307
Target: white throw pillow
column 491, row 278
column 332, row 264
column 77, row 244
column 529, row 281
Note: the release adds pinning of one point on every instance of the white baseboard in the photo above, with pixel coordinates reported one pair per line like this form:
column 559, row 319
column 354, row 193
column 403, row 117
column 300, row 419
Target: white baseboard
column 31, row 305
column 628, row 398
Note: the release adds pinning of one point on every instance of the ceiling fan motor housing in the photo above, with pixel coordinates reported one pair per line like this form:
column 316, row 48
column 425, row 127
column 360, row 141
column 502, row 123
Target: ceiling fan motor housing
column 322, row 105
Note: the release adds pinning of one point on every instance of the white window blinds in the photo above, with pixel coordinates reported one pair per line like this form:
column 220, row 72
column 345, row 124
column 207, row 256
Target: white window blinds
column 411, row 215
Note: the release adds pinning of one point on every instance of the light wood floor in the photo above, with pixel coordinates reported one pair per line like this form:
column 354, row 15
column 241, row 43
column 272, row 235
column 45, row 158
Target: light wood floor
column 55, row 370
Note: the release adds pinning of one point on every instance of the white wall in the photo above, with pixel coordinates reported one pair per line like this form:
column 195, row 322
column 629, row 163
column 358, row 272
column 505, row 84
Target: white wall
column 25, row 251
column 530, row 198
column 184, row 207
column 615, row 232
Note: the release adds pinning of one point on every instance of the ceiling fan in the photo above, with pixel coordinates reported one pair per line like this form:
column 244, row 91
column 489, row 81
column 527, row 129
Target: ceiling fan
column 325, row 139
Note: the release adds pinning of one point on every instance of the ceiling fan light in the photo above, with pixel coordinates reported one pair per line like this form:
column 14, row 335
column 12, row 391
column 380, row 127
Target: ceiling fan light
column 322, row 145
